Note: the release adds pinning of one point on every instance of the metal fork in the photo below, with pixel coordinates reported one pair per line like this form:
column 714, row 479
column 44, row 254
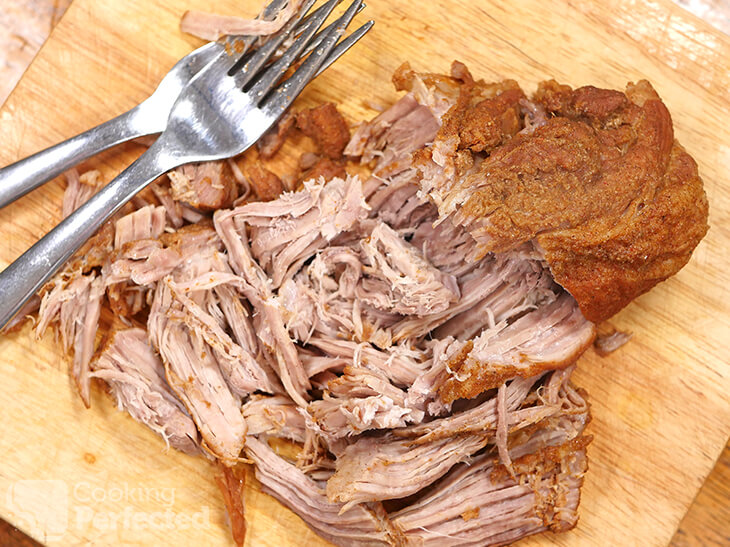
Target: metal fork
column 213, row 118
column 147, row 118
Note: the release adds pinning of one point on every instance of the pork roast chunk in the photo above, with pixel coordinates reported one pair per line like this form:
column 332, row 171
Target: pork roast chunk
column 601, row 186
column 326, row 126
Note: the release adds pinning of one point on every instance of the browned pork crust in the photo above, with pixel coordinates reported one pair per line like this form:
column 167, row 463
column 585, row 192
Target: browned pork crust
column 600, row 185
column 326, row 126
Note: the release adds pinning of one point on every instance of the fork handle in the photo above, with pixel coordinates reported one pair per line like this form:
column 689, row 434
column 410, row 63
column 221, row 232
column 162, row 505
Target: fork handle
column 21, row 177
column 24, row 277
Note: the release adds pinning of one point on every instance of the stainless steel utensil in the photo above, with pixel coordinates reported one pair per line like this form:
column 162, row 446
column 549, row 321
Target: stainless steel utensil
column 213, row 118
column 147, row 118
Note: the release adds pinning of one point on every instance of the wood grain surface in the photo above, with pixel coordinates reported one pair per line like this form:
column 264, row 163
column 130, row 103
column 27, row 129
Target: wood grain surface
column 660, row 411
column 708, row 520
column 714, row 12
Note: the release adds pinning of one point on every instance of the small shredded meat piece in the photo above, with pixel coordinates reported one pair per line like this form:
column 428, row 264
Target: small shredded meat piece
column 74, row 304
column 274, row 138
column 206, row 186
column 26, row 312
column 326, row 126
column 553, row 336
column 195, row 376
column 232, row 484
column 606, row 344
column 211, row 26
column 326, row 168
column 145, row 223
column 367, row 467
column 79, row 188
column 274, row 416
column 409, row 283
column 289, row 230
column 172, row 208
column 359, row 400
column 142, row 261
column 265, row 184
column 368, row 135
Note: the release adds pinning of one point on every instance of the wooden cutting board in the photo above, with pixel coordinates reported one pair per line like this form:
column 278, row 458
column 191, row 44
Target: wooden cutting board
column 660, row 409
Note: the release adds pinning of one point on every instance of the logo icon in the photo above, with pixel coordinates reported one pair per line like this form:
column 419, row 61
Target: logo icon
column 39, row 507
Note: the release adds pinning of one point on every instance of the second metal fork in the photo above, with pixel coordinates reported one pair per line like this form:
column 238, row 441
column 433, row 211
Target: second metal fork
column 213, row 118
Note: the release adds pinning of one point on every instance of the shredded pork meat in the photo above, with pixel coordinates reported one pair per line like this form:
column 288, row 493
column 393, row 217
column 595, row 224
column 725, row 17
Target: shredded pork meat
column 79, row 188
column 211, row 26
column 412, row 332
column 206, row 186
column 136, row 378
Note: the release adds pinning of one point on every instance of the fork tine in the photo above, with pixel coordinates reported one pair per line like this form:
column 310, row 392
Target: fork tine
column 268, row 79
column 246, row 54
column 312, row 45
column 247, row 41
column 242, row 75
column 343, row 46
column 285, row 94
column 238, row 52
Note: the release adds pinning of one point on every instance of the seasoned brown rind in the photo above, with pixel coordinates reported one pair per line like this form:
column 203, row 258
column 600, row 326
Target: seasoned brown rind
column 599, row 185
column 609, row 260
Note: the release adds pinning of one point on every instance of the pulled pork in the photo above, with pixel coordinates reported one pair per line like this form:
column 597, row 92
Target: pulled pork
column 211, row 26
column 207, row 186
column 327, row 127
column 413, row 332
